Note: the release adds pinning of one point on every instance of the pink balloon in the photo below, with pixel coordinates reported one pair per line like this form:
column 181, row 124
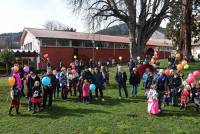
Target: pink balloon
column 191, row 79
column 196, row 73
column 73, row 71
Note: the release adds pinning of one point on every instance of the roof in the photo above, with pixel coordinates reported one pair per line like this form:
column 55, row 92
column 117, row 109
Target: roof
column 44, row 33
column 24, row 53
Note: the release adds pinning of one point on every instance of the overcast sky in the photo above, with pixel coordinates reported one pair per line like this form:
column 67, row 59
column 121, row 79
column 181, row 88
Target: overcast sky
column 17, row 14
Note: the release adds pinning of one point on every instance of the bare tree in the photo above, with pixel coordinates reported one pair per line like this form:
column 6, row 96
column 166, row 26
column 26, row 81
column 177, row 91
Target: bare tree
column 57, row 26
column 142, row 17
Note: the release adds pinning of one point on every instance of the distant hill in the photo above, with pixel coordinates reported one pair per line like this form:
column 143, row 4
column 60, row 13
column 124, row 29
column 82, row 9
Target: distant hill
column 10, row 40
column 122, row 30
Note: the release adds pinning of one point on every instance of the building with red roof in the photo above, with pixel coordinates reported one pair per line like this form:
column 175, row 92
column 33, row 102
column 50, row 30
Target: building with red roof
column 64, row 46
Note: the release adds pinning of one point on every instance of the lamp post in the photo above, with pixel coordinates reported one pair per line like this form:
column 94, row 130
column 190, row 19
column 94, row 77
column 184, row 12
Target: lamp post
column 93, row 43
column 75, row 57
column 120, row 59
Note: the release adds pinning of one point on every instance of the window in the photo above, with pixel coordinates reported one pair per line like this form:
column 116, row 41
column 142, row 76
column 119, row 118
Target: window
column 63, row 43
column 121, row 46
column 88, row 44
column 48, row 42
column 76, row 43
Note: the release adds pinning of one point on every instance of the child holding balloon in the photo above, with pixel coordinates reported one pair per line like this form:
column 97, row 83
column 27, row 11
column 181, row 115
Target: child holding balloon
column 15, row 95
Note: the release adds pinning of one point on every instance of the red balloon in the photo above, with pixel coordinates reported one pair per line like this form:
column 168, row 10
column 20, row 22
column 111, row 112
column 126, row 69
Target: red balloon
column 191, row 79
column 73, row 71
column 196, row 73
column 167, row 72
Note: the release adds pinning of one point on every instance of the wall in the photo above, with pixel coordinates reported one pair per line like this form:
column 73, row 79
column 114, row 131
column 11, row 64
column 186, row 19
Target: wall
column 35, row 42
column 55, row 55
column 104, row 54
column 66, row 55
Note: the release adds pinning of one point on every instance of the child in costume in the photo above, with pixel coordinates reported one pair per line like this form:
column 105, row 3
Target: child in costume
column 15, row 95
column 86, row 91
column 185, row 97
column 153, row 106
column 37, row 97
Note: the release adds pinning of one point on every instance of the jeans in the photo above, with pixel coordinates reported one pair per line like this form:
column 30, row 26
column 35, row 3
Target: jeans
column 175, row 97
column 125, row 90
column 134, row 90
column 160, row 99
column 99, row 89
column 47, row 93
column 64, row 92
column 29, row 103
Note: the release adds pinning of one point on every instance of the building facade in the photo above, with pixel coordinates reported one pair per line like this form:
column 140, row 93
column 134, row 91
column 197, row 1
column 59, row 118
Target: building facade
column 63, row 46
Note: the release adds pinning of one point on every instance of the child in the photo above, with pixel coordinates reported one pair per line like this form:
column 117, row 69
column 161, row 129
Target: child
column 36, row 98
column 167, row 96
column 15, row 95
column 79, row 86
column 152, row 96
column 185, row 97
column 86, row 91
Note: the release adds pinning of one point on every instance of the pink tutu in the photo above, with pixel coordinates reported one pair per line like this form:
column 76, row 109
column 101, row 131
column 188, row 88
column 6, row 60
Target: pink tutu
column 153, row 107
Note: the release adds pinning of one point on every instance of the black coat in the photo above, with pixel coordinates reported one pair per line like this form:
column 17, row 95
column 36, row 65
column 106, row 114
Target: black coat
column 30, row 84
column 134, row 79
column 121, row 78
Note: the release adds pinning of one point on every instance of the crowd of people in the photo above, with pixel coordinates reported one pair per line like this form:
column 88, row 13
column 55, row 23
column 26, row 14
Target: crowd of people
column 161, row 89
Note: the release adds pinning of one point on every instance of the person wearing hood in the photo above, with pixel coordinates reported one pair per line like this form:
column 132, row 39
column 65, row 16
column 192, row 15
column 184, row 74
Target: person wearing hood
column 30, row 84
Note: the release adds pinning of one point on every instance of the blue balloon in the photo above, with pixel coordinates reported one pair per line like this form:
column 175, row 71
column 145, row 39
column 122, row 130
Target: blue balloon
column 92, row 87
column 46, row 81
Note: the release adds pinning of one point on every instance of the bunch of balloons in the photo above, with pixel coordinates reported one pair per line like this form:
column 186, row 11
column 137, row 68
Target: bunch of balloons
column 184, row 65
column 192, row 77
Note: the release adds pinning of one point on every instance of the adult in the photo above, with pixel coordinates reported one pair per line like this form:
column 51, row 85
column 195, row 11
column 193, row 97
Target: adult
column 63, row 83
column 134, row 81
column 131, row 64
column 175, row 83
column 161, row 85
column 121, row 78
column 99, row 83
column 30, row 84
column 48, row 90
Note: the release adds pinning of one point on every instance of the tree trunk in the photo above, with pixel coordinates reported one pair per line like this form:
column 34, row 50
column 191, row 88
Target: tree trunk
column 185, row 32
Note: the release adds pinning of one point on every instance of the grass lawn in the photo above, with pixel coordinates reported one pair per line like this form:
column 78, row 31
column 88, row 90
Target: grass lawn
column 113, row 116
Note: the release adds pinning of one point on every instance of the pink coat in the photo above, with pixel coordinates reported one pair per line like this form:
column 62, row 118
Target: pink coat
column 18, row 79
column 86, row 90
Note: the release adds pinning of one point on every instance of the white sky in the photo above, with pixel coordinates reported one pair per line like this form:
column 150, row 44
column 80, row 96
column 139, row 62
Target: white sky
column 17, row 14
